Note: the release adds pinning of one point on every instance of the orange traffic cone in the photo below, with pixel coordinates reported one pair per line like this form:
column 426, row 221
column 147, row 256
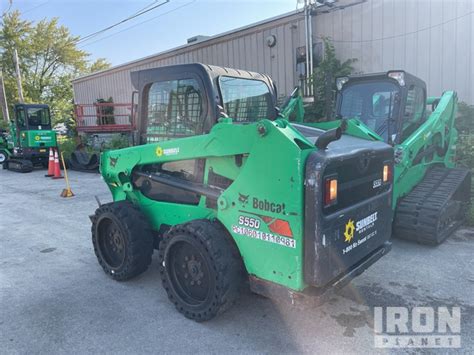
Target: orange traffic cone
column 50, row 163
column 57, row 169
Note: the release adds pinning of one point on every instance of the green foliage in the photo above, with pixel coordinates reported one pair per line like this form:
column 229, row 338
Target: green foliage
column 465, row 144
column 465, row 118
column 4, row 125
column 67, row 146
column 465, row 127
column 98, row 65
column 324, row 83
column 118, row 141
column 48, row 60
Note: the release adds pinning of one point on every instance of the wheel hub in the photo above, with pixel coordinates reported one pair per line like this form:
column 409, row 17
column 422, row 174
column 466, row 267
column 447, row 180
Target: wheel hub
column 112, row 246
column 189, row 273
column 194, row 270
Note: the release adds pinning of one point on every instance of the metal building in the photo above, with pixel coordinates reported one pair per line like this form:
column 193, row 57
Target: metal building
column 430, row 38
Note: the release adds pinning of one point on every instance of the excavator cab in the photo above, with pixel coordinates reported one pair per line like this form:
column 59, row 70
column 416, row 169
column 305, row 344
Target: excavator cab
column 32, row 117
column 391, row 104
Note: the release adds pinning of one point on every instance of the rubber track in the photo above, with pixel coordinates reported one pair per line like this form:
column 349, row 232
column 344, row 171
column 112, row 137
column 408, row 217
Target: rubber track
column 19, row 165
column 435, row 207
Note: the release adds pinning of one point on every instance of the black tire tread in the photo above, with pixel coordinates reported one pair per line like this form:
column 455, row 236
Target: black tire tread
column 139, row 239
column 224, row 258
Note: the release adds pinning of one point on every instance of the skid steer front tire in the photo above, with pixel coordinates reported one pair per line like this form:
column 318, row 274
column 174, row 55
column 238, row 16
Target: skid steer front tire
column 200, row 269
column 122, row 240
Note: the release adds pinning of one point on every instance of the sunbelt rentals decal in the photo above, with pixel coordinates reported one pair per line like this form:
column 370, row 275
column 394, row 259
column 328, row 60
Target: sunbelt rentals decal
column 166, row 151
column 353, row 231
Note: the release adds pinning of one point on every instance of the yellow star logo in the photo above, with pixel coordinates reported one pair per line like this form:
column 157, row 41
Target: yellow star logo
column 159, row 151
column 349, row 232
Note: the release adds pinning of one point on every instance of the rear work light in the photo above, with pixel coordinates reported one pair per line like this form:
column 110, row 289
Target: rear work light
column 330, row 191
column 341, row 81
column 398, row 76
column 387, row 173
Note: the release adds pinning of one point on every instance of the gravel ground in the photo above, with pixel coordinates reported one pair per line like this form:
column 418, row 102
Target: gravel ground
column 54, row 297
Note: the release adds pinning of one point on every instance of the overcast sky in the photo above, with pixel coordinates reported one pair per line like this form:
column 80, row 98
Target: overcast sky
column 163, row 28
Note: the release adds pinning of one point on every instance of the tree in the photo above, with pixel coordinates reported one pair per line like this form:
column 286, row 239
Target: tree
column 49, row 60
column 324, row 82
column 98, row 65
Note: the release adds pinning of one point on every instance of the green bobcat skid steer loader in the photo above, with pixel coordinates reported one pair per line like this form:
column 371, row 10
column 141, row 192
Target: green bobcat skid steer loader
column 227, row 189
column 29, row 140
column 431, row 196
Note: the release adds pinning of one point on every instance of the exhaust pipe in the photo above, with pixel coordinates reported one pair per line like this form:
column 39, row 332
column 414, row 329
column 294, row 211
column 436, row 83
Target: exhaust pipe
column 327, row 137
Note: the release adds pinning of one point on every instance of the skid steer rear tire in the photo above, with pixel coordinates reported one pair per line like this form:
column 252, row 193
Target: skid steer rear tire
column 122, row 239
column 3, row 157
column 200, row 269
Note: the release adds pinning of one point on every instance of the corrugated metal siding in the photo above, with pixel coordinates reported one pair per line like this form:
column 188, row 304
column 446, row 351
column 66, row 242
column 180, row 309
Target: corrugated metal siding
column 432, row 39
column 420, row 36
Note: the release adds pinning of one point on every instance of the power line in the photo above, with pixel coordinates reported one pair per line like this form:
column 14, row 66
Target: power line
column 139, row 13
column 146, row 7
column 138, row 24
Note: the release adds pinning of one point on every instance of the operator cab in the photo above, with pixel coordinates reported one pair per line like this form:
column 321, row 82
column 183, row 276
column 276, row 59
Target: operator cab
column 32, row 117
column 186, row 100
column 391, row 104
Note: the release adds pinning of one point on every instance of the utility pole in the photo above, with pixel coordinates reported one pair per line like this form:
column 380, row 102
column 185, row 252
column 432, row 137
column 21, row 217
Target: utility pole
column 306, row 46
column 308, row 26
column 18, row 76
column 3, row 99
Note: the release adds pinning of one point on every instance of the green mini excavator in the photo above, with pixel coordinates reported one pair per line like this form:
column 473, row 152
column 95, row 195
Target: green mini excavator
column 29, row 140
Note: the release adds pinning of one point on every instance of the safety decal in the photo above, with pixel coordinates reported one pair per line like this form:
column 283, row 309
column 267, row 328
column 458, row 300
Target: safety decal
column 113, row 162
column 275, row 225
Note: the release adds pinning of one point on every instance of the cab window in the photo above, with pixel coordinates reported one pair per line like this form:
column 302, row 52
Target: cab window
column 174, row 109
column 246, row 100
column 20, row 116
column 414, row 111
column 372, row 103
column 38, row 116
